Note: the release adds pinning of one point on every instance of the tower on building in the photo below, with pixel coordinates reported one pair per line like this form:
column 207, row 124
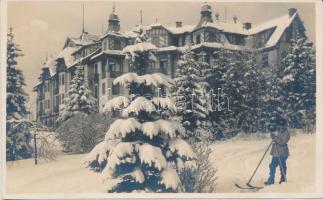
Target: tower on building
column 113, row 21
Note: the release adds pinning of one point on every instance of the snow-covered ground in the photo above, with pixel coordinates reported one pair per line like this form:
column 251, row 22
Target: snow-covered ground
column 234, row 159
column 237, row 159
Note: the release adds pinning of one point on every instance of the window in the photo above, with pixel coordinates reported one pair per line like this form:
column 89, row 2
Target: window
column 198, row 39
column 96, row 90
column 105, row 44
column 115, row 68
column 95, row 68
column 117, row 45
column 153, row 67
column 103, row 70
column 163, row 66
column 264, row 59
column 103, row 88
column 63, row 97
column 155, row 40
column 45, row 87
column 214, row 37
column 62, row 79
column 115, row 89
column 235, row 39
column 180, row 42
column 207, row 59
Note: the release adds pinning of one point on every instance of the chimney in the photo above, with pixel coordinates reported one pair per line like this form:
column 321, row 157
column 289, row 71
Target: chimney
column 292, row 11
column 247, row 25
column 179, row 24
column 235, row 18
column 217, row 16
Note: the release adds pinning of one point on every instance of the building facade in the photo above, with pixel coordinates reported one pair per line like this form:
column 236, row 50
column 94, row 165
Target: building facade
column 103, row 60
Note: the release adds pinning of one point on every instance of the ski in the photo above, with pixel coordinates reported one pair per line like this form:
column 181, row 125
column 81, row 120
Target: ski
column 248, row 186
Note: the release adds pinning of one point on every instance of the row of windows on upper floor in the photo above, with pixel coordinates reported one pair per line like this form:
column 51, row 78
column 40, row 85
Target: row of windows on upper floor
column 113, row 66
column 163, row 39
column 50, row 104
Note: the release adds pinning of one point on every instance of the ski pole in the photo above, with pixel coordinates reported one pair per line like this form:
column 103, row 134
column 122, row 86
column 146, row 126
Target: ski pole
column 254, row 172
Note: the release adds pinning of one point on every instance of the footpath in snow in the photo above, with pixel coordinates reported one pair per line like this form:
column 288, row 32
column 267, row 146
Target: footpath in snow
column 234, row 159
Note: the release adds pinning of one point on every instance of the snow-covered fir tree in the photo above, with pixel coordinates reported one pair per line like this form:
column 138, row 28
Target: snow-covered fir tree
column 272, row 105
column 297, row 72
column 249, row 114
column 232, row 87
column 190, row 96
column 217, row 79
column 142, row 150
column 18, row 135
column 79, row 99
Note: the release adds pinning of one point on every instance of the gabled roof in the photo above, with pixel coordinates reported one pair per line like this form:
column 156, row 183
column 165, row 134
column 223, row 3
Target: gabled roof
column 280, row 24
column 228, row 27
column 67, row 55
column 50, row 63
column 115, row 34
column 84, row 39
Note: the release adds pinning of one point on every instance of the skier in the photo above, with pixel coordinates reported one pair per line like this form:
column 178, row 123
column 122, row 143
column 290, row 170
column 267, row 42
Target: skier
column 279, row 152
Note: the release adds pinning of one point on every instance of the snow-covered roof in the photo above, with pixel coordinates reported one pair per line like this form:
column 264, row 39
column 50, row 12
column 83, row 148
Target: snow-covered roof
column 220, row 45
column 227, row 27
column 168, row 48
column 182, row 29
column 85, row 39
column 134, row 31
column 66, row 54
column 280, row 24
column 51, row 64
column 108, row 52
column 115, row 34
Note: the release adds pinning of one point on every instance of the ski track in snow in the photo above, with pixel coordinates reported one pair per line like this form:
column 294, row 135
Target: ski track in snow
column 235, row 160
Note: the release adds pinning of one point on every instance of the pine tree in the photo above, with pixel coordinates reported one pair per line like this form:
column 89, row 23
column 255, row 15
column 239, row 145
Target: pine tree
column 18, row 135
column 272, row 105
column 219, row 86
column 79, row 99
column 143, row 150
column 249, row 114
column 190, row 96
column 232, row 91
column 297, row 72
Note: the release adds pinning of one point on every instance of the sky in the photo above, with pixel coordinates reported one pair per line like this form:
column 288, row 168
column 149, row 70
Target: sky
column 41, row 27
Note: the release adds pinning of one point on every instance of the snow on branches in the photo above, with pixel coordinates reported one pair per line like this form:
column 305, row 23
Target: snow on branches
column 145, row 154
column 156, row 80
column 79, row 98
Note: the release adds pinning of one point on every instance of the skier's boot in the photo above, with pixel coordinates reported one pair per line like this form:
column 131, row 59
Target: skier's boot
column 282, row 179
column 270, row 181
